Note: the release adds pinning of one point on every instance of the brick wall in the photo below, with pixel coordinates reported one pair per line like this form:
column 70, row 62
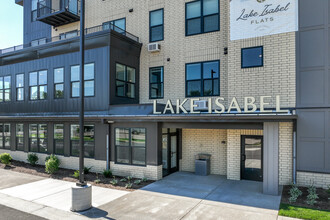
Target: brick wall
column 285, row 153
column 149, row 172
column 318, row 179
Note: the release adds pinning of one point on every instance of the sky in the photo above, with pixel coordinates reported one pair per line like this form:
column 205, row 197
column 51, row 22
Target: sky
column 11, row 24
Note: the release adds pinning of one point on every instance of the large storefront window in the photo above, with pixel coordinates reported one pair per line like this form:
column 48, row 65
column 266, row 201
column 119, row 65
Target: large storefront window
column 59, row 139
column 38, row 138
column 89, row 141
column 20, row 137
column 131, row 146
column 5, row 136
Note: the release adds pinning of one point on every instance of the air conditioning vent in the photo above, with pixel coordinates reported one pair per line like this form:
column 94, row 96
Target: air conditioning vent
column 154, row 47
column 201, row 105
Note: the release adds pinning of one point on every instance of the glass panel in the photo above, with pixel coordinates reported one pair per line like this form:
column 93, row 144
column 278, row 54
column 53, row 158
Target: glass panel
column 252, row 57
column 216, row 90
column 194, row 26
column 173, row 130
column 156, row 18
column 173, row 151
column 42, row 145
column 33, row 130
column 34, row 5
column 156, row 75
column 164, row 152
column 43, row 131
column 43, row 77
column 33, row 144
column 130, row 90
column 211, row 23
column 1, row 82
column 156, row 33
column 122, row 154
column 211, row 70
column 1, row 130
column 33, row 79
column 138, row 137
column 194, row 71
column 59, row 147
column 130, row 75
column 75, row 89
column 34, row 93
column 122, row 136
column 7, row 82
column 6, row 130
column 120, row 88
column 208, row 87
column 58, row 131
column 106, row 26
column 75, row 73
column 19, row 130
column 20, row 144
column 7, row 143
column 89, row 133
column 89, row 149
column 156, row 90
column 138, row 156
column 59, row 75
column 7, row 95
column 210, row 7
column 193, row 9
column 1, row 95
column 194, row 88
column 73, row 6
column 89, row 88
column 89, row 71
column 59, row 91
column 121, row 23
column 20, row 94
column 42, row 41
column 75, row 148
column 74, row 132
column 120, row 72
column 34, row 43
column 43, row 92
column 20, row 80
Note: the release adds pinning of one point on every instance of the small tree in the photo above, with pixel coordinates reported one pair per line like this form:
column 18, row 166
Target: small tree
column 33, row 159
column 52, row 164
column 5, row 158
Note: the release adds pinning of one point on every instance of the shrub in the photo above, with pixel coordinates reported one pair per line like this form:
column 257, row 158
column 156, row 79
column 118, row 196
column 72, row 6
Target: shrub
column 312, row 195
column 123, row 180
column 107, row 173
column 114, row 181
column 144, row 179
column 33, row 159
column 52, row 156
column 294, row 193
column 5, row 158
column 129, row 178
column 328, row 190
column 128, row 185
column 52, row 164
column 87, row 170
column 97, row 181
column 76, row 174
column 137, row 182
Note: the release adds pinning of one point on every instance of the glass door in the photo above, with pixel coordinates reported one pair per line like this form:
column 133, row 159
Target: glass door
column 251, row 158
column 174, row 153
column 169, row 151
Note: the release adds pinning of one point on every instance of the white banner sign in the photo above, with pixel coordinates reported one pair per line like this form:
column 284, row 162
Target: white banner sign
column 256, row 18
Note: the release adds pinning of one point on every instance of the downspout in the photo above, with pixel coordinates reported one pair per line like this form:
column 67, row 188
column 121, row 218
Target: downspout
column 294, row 153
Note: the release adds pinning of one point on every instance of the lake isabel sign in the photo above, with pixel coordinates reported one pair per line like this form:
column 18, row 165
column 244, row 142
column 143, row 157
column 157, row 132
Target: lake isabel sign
column 256, row 18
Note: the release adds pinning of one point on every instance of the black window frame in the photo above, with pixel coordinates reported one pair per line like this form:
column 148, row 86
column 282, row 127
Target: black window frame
column 201, row 17
column 3, row 136
column 85, row 141
column 56, row 139
column 253, row 66
column 38, row 138
column 155, row 26
column 18, row 137
column 78, row 81
column 126, row 82
column 130, row 147
column 202, row 80
column 59, row 83
column 3, row 90
column 20, row 87
column 158, row 83
column 38, row 85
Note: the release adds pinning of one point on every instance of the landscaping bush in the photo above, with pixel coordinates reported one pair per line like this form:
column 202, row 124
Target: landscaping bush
column 5, row 158
column 107, row 173
column 128, row 185
column 76, row 174
column 137, row 182
column 87, row 170
column 294, row 193
column 114, row 182
column 33, row 159
column 312, row 195
column 52, row 164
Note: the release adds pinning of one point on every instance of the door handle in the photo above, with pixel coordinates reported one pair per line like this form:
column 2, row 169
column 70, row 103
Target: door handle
column 243, row 157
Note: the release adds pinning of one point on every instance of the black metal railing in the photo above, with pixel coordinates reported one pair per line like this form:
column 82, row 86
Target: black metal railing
column 69, row 35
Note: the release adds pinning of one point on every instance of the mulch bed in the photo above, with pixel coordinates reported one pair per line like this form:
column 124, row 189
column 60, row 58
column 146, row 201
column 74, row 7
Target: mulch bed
column 66, row 174
column 323, row 202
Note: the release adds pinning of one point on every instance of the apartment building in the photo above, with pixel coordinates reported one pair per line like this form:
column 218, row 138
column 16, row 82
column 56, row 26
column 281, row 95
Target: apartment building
column 167, row 80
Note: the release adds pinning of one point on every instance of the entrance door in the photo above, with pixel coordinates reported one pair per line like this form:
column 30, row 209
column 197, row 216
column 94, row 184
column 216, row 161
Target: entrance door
column 251, row 158
column 170, row 152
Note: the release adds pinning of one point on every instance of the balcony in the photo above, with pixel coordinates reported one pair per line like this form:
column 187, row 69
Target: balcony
column 58, row 12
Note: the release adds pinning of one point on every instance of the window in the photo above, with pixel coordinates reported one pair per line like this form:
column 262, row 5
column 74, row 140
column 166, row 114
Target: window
column 156, row 88
column 20, row 87
column 202, row 16
column 5, row 85
column 125, row 81
column 38, row 138
column 202, row 79
column 59, row 139
column 89, row 80
column 131, row 146
column 88, row 141
column 252, row 57
column 38, row 85
column 38, row 42
column 59, row 83
column 156, row 29
column 118, row 25
column 20, row 137
column 5, row 136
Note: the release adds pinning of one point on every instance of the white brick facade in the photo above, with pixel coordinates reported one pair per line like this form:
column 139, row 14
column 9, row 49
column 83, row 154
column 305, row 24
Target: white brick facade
column 285, row 153
column 317, row 179
column 149, row 172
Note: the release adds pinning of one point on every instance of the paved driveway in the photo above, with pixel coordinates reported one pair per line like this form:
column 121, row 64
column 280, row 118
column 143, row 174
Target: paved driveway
column 187, row 196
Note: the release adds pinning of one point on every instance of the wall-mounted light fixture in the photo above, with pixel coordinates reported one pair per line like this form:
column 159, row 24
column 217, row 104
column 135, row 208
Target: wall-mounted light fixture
column 168, row 59
column 225, row 50
column 131, row 10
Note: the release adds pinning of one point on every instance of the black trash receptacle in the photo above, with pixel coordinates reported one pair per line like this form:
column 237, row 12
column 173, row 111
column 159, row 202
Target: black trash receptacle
column 202, row 164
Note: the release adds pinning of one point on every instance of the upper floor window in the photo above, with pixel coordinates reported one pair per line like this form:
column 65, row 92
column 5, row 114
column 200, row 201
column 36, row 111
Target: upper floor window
column 252, row 57
column 38, row 85
column 125, row 81
column 19, row 87
column 89, row 142
column 202, row 16
column 59, row 139
column 88, row 80
column 5, row 86
column 156, row 29
column 59, row 83
column 118, row 25
column 38, row 138
column 202, row 79
column 156, row 89
column 5, row 136
column 20, row 137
